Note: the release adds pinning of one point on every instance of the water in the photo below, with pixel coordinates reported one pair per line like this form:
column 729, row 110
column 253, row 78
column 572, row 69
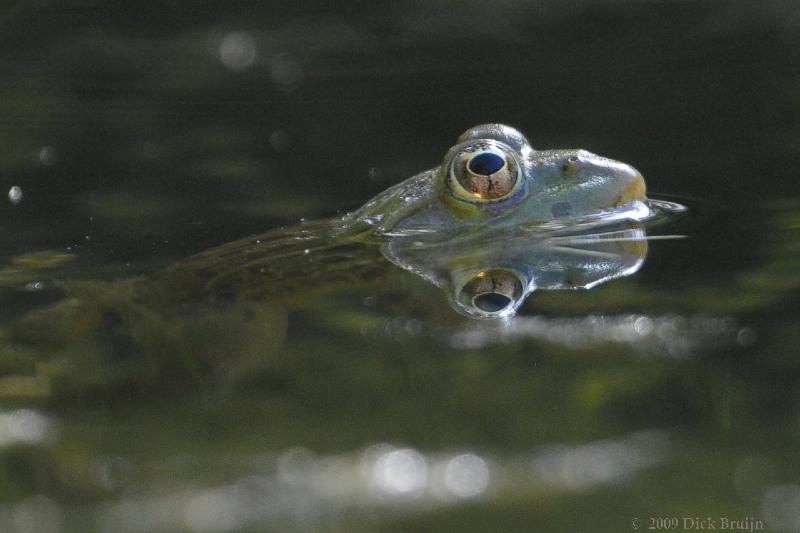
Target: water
column 133, row 137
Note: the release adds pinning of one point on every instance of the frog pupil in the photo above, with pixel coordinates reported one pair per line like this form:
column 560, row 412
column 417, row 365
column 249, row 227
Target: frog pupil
column 486, row 163
column 491, row 302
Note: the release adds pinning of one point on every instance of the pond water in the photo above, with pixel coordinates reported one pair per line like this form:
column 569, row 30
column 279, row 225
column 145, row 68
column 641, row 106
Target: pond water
column 354, row 397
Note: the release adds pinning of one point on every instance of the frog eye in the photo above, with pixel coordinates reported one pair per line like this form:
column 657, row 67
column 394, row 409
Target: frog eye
column 494, row 292
column 483, row 173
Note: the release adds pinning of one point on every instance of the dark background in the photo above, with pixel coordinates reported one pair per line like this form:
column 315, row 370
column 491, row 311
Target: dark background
column 700, row 96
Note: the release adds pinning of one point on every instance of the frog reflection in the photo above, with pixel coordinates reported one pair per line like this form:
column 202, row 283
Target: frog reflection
column 491, row 279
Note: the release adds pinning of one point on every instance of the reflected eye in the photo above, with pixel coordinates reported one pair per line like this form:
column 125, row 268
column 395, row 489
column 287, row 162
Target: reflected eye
column 483, row 172
column 491, row 292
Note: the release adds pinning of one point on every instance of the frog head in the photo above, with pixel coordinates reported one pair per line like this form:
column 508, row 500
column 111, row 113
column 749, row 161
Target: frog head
column 493, row 179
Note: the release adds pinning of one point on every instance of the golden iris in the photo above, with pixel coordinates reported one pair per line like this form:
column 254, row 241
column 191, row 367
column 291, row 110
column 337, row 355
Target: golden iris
column 483, row 173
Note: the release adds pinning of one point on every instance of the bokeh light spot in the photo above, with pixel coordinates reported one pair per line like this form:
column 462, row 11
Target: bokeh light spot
column 237, row 51
column 400, row 471
column 466, row 475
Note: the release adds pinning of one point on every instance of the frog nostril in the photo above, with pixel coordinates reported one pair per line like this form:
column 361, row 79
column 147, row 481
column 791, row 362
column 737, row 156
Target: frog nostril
column 486, row 163
column 491, row 302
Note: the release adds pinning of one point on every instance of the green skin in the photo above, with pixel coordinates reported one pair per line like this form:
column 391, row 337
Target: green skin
column 556, row 187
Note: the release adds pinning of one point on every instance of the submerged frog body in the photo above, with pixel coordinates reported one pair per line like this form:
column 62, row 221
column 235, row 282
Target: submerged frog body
column 496, row 214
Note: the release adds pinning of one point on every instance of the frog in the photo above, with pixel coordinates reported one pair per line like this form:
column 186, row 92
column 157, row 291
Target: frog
column 493, row 223
column 495, row 212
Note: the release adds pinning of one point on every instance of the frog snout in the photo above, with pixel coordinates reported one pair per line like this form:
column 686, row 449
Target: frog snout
column 632, row 187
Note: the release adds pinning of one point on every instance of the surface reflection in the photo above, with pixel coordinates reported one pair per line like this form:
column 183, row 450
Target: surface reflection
column 491, row 276
column 664, row 336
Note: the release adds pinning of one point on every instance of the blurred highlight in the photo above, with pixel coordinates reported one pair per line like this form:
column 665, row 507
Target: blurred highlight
column 299, row 489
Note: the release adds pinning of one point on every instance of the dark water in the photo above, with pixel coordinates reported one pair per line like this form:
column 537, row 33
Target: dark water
column 142, row 133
